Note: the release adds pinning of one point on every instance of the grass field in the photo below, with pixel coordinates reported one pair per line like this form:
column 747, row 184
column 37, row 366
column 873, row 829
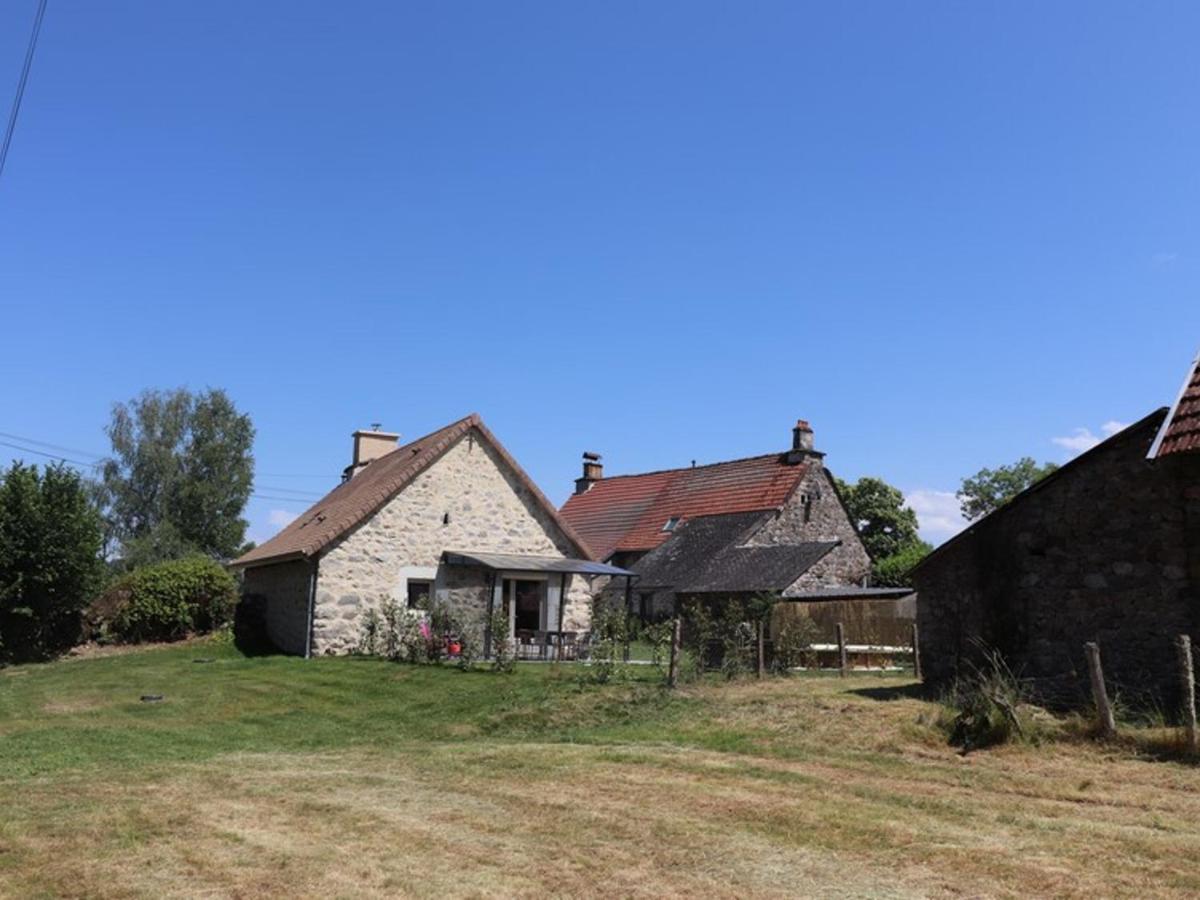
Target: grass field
column 354, row 777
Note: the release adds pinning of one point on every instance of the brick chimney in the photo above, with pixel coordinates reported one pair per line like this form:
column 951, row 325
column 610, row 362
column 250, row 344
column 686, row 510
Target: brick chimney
column 802, row 444
column 593, row 471
column 369, row 445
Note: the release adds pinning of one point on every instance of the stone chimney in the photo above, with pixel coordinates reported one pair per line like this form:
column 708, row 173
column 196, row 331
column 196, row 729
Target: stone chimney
column 802, row 444
column 369, row 445
column 593, row 471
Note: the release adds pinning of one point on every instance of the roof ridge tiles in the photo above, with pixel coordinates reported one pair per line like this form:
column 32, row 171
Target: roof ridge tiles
column 712, row 465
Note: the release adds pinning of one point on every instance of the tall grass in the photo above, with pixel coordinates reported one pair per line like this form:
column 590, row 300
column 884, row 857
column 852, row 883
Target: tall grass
column 990, row 705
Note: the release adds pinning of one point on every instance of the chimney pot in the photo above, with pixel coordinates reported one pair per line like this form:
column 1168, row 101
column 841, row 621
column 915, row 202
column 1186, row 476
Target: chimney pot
column 802, row 436
column 593, row 471
column 802, row 444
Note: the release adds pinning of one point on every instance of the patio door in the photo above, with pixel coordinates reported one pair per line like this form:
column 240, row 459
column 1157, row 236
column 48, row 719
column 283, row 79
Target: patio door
column 526, row 603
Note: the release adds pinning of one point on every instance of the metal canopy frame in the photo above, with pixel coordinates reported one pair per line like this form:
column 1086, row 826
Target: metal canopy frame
column 496, row 563
column 515, row 562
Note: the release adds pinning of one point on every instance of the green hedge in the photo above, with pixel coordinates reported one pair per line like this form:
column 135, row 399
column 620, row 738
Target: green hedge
column 173, row 599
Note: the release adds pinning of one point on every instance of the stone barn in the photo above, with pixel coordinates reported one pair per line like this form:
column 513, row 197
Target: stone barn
column 1105, row 549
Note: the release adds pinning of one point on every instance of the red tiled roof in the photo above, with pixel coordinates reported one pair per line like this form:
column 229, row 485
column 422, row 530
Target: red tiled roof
column 627, row 512
column 354, row 501
column 1181, row 431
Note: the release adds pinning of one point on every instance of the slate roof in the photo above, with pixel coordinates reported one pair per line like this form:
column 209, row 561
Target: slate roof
column 704, row 555
column 627, row 512
column 1181, row 431
column 353, row 502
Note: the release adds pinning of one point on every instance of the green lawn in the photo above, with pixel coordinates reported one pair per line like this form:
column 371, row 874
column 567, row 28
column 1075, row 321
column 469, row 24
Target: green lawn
column 353, row 777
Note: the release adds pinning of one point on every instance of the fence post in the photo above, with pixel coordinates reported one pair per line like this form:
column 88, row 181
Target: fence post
column 1108, row 725
column 762, row 665
column 1187, row 680
column 841, row 640
column 676, row 640
column 916, row 647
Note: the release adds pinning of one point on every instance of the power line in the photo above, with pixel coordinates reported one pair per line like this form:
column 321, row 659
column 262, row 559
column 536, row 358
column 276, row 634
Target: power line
column 306, row 503
column 300, row 495
column 37, row 443
column 57, row 456
column 12, row 117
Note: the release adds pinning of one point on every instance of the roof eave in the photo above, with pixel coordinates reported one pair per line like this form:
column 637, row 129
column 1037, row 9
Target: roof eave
column 1174, row 409
column 290, row 556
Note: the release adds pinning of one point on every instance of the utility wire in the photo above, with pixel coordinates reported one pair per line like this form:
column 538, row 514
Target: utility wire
column 57, row 456
column 301, row 496
column 300, row 500
column 16, row 108
column 37, row 443
column 298, row 495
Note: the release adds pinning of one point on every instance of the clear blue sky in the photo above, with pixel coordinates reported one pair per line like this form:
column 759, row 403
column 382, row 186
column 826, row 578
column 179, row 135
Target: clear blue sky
column 946, row 233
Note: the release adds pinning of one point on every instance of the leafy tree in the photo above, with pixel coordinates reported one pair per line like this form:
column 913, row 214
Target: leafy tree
column 50, row 561
column 896, row 570
column 990, row 489
column 877, row 509
column 180, row 475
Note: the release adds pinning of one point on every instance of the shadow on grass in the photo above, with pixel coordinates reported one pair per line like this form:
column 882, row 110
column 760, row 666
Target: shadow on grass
column 912, row 691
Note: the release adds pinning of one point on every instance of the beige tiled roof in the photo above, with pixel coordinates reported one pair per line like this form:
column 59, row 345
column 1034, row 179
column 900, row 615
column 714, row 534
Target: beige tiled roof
column 353, row 502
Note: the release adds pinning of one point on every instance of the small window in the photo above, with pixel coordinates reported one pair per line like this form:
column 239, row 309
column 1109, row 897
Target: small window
column 418, row 593
column 671, row 523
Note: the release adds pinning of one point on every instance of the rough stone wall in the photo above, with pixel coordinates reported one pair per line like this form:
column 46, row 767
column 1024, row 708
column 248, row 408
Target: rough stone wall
column 827, row 521
column 488, row 509
column 845, row 565
column 1100, row 552
column 285, row 587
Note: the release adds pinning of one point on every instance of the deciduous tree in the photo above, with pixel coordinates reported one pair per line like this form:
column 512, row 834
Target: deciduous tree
column 990, row 489
column 180, row 475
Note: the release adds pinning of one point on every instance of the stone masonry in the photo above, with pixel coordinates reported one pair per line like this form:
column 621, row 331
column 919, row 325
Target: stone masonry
column 826, row 519
column 1106, row 550
column 466, row 500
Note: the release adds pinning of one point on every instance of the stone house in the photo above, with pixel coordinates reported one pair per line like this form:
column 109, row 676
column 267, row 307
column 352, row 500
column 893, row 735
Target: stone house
column 450, row 517
column 1105, row 549
column 770, row 523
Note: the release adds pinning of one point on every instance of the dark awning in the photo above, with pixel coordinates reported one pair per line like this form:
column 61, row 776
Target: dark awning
column 515, row 562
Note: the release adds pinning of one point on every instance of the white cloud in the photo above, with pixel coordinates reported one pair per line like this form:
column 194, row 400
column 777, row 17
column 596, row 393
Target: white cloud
column 1163, row 258
column 1083, row 439
column 938, row 515
column 280, row 518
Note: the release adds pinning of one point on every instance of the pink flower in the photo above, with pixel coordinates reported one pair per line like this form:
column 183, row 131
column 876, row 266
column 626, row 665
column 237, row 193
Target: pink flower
column 425, row 630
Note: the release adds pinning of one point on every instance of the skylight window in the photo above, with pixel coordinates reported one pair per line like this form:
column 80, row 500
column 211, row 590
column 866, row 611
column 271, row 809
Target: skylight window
column 671, row 523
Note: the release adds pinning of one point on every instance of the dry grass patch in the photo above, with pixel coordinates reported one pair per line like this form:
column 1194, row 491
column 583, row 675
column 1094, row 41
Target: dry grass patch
column 349, row 778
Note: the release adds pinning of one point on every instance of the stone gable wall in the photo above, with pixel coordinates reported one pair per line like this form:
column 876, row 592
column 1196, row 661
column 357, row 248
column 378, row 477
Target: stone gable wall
column 828, row 521
column 1106, row 551
column 489, row 510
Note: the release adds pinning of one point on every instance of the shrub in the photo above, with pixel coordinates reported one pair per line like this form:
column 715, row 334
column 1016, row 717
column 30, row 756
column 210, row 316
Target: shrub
column 369, row 637
column 793, row 642
column 737, row 641
column 610, row 632
column 504, row 657
column 989, row 706
column 50, row 559
column 171, row 599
